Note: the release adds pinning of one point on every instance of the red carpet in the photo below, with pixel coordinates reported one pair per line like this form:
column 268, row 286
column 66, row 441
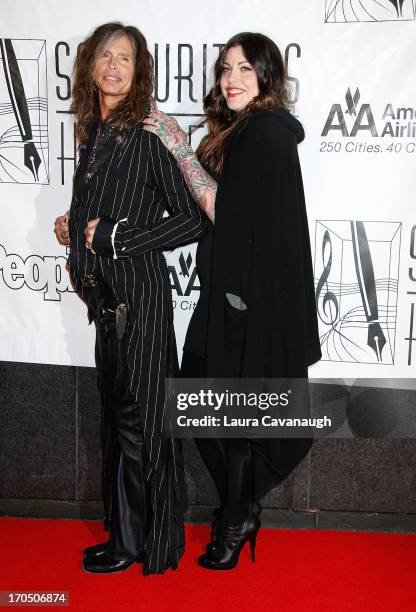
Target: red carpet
column 295, row 571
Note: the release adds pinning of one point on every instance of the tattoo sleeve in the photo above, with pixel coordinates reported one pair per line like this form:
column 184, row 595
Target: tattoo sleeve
column 200, row 183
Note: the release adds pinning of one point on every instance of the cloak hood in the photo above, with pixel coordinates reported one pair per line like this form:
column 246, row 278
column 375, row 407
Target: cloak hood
column 292, row 123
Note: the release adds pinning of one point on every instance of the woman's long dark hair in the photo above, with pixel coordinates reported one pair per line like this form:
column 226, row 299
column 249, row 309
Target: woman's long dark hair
column 85, row 101
column 264, row 56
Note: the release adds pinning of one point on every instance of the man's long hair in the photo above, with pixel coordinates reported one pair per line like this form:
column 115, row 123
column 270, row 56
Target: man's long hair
column 85, row 99
column 264, row 56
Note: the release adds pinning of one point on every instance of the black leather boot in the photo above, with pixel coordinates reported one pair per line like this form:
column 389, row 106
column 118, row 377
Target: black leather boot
column 96, row 550
column 104, row 564
column 215, row 526
column 226, row 553
column 100, row 549
column 255, row 510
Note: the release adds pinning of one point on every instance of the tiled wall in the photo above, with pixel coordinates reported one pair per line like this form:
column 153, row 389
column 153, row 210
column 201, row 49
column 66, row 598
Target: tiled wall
column 49, row 449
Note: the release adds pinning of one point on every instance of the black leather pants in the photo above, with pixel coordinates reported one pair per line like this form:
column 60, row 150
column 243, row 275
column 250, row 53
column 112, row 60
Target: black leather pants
column 124, row 489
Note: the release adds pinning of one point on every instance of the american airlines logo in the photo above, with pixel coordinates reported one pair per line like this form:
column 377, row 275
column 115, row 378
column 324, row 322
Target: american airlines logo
column 183, row 274
column 355, row 117
column 352, row 101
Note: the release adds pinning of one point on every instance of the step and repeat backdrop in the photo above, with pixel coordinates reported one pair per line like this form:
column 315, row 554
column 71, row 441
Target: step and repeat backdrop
column 353, row 82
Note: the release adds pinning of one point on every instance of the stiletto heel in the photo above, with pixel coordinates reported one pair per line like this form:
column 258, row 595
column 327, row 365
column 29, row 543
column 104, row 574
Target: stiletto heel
column 253, row 547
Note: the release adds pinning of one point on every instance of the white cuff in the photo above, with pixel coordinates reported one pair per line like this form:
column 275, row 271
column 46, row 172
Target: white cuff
column 113, row 234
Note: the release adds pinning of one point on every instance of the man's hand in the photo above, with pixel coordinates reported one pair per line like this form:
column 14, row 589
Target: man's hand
column 89, row 232
column 62, row 229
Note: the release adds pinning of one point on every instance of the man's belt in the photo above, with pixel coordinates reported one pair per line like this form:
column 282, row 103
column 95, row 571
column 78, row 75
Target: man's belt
column 92, row 280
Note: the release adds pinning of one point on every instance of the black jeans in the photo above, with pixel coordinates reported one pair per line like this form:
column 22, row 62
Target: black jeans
column 125, row 492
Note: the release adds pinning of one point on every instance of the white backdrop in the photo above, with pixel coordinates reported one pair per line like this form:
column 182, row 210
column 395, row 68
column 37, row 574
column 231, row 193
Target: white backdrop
column 353, row 76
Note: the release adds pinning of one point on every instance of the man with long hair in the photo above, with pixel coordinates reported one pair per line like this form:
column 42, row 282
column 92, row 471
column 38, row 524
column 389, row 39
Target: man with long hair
column 124, row 183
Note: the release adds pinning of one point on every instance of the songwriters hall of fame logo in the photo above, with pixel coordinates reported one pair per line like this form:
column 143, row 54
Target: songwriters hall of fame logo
column 356, row 279
column 349, row 11
column 24, row 148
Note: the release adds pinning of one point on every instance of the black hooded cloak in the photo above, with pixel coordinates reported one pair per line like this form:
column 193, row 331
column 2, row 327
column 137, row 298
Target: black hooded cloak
column 259, row 320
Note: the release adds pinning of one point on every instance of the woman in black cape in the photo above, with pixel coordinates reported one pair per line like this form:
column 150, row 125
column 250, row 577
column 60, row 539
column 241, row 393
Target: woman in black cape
column 256, row 316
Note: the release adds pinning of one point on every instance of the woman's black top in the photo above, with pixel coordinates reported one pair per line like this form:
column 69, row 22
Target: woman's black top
column 259, row 253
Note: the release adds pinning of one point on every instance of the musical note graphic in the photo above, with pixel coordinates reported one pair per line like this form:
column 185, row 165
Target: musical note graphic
column 329, row 297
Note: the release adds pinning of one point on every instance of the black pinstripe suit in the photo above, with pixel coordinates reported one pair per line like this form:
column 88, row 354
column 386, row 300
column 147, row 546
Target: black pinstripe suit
column 134, row 183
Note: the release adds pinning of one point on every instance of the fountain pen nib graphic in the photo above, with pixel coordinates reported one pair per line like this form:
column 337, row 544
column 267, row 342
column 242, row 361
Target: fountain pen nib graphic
column 19, row 103
column 32, row 159
column 376, row 339
column 349, row 11
column 398, row 5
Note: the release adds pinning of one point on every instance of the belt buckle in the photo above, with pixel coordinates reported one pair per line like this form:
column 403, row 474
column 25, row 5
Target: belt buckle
column 90, row 280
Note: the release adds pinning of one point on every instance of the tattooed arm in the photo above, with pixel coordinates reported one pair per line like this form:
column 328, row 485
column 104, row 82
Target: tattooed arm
column 200, row 183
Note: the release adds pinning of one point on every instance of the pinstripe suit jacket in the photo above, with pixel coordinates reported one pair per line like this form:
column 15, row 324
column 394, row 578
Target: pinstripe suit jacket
column 135, row 183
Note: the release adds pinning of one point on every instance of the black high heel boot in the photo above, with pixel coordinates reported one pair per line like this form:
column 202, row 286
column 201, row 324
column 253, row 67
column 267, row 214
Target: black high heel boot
column 215, row 525
column 255, row 510
column 226, row 553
